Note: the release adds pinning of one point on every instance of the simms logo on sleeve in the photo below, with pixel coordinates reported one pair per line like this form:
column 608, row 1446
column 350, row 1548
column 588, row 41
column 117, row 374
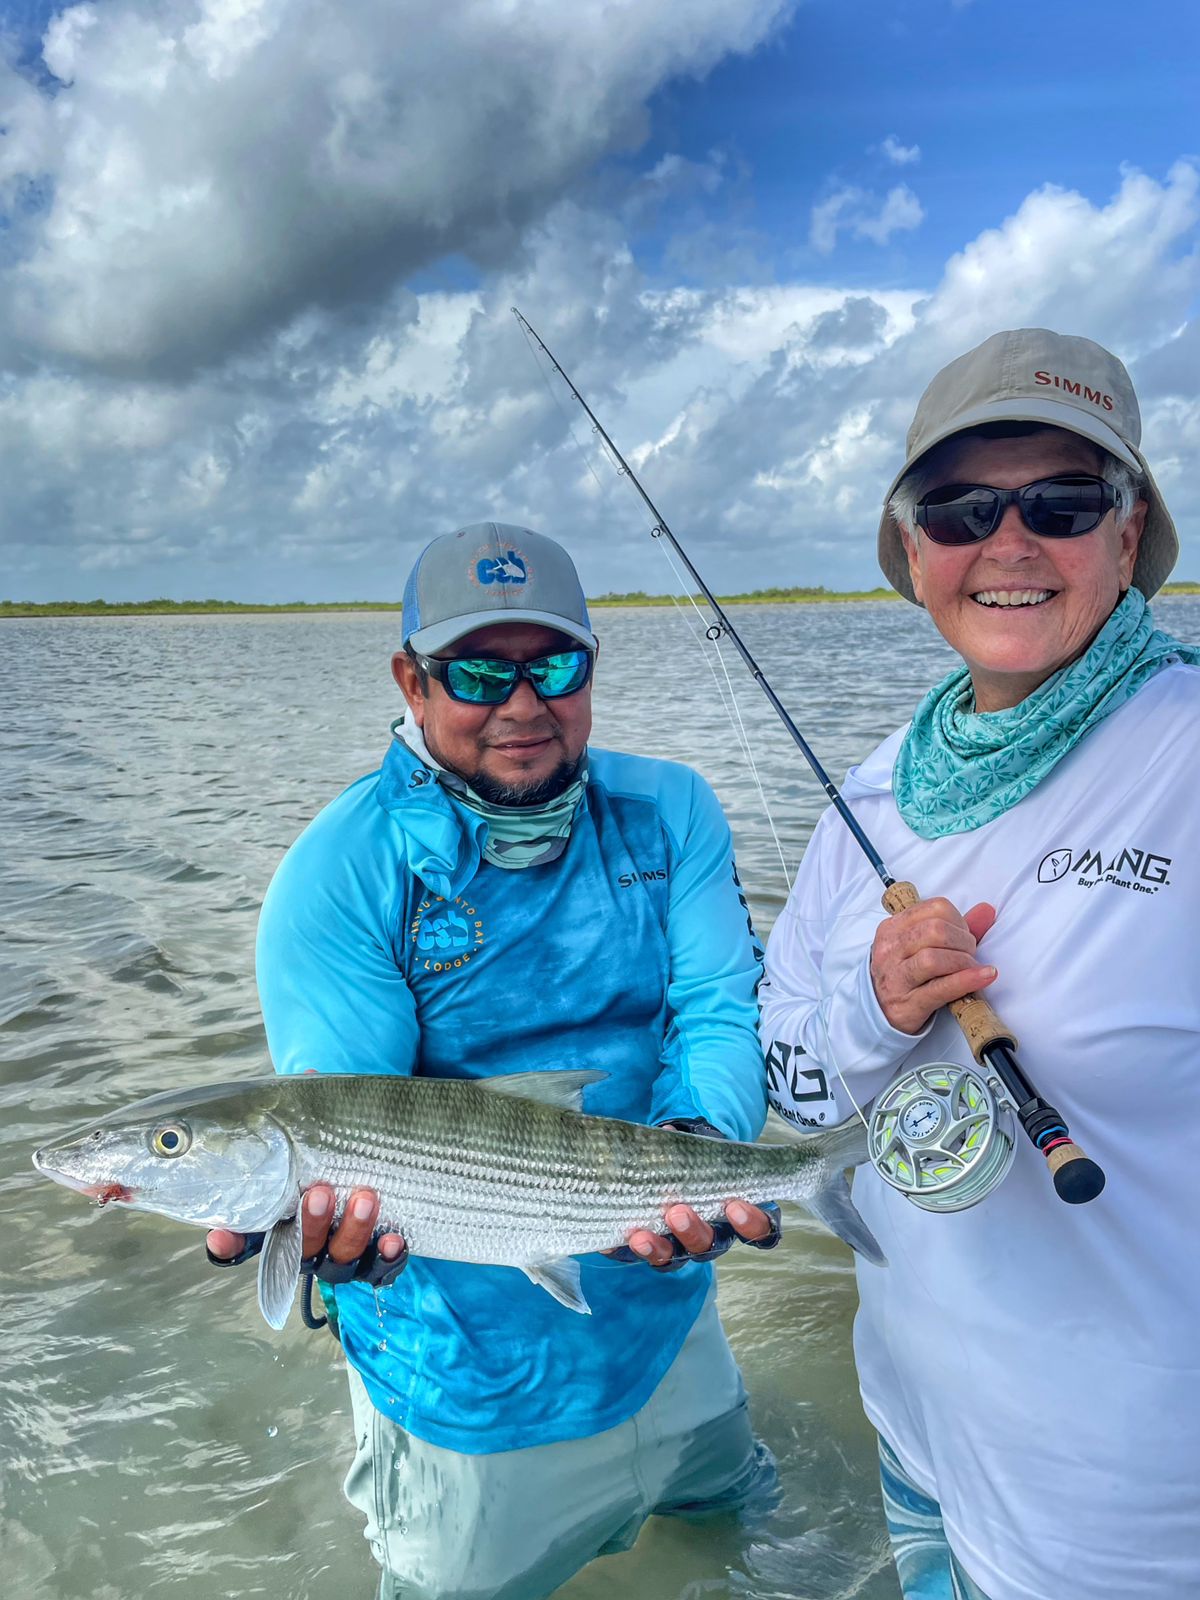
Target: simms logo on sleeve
column 1143, row 871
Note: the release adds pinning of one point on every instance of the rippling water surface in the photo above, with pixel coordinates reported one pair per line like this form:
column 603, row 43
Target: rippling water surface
column 155, row 1435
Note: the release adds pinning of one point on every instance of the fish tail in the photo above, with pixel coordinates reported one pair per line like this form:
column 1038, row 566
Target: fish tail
column 831, row 1204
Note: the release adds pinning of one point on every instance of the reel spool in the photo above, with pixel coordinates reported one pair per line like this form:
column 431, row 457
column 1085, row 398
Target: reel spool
column 943, row 1134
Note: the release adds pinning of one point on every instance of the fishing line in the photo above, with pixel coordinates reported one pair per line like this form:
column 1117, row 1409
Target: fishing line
column 932, row 1127
column 729, row 704
column 732, row 706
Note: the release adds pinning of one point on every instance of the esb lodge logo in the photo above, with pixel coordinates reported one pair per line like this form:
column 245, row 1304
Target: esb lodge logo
column 1142, row 871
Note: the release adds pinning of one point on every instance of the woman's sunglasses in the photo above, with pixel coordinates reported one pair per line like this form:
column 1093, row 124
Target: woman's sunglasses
column 1054, row 508
column 488, row 681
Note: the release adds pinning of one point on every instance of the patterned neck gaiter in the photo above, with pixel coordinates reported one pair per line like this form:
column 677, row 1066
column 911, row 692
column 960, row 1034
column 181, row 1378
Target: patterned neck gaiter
column 517, row 836
column 958, row 768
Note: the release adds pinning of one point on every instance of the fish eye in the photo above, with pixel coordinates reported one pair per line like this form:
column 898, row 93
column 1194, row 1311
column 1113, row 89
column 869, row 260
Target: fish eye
column 171, row 1139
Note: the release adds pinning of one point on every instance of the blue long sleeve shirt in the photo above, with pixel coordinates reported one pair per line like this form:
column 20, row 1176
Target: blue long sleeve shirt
column 387, row 944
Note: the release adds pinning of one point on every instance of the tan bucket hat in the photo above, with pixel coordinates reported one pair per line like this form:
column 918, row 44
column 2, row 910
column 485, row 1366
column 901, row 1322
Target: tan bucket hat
column 1033, row 375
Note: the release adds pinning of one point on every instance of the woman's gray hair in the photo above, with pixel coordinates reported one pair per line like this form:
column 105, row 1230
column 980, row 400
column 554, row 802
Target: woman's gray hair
column 927, row 475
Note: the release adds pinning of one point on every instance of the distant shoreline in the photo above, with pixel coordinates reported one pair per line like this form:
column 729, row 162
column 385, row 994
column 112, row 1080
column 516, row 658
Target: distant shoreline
column 234, row 608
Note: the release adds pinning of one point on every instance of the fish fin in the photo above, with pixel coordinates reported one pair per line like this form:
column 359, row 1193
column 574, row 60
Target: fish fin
column 279, row 1271
column 563, row 1089
column 561, row 1279
column 833, row 1206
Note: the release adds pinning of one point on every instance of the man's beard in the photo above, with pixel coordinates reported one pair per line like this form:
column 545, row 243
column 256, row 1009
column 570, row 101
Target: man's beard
column 536, row 793
column 524, row 794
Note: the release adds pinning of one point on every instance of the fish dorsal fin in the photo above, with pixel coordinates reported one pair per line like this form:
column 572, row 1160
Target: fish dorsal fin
column 563, row 1089
column 561, row 1279
column 279, row 1270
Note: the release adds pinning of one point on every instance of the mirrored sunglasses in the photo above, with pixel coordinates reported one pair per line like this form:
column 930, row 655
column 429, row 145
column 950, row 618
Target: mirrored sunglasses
column 1053, row 508
column 490, row 681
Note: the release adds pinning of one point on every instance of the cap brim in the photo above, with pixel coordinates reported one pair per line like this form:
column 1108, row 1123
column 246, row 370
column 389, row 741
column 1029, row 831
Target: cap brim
column 1158, row 550
column 441, row 635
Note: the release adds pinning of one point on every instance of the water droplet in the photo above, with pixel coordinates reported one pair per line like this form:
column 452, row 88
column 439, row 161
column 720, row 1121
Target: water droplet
column 272, row 1431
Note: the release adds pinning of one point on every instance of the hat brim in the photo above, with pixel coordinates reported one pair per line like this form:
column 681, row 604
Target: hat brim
column 441, row 635
column 1158, row 549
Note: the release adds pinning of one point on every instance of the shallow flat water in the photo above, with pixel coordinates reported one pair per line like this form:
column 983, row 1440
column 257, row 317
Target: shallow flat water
column 156, row 1437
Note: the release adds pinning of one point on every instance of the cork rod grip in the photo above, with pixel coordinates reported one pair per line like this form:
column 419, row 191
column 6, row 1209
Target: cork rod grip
column 979, row 1022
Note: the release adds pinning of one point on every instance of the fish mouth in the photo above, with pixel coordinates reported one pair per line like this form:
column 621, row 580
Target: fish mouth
column 102, row 1193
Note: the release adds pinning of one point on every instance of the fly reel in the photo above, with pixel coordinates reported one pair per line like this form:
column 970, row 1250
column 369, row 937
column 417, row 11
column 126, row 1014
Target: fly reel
column 943, row 1134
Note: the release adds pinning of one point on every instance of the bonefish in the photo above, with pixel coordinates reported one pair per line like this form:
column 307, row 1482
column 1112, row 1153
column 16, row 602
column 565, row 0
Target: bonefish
column 507, row 1171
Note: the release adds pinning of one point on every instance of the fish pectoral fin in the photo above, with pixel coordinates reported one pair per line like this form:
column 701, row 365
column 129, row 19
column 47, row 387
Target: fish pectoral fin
column 834, row 1207
column 279, row 1270
column 563, row 1089
column 561, row 1279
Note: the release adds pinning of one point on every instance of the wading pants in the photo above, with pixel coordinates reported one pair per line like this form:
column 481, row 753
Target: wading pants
column 925, row 1564
column 516, row 1525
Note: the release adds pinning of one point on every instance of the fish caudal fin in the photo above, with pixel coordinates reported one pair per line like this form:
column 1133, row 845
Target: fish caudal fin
column 561, row 1279
column 279, row 1270
column 833, row 1206
column 839, row 1148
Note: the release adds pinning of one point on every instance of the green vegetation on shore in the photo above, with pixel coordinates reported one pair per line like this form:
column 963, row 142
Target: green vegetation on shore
column 188, row 608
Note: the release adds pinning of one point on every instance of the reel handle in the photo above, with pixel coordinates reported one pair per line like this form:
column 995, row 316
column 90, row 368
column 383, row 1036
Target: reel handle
column 1077, row 1178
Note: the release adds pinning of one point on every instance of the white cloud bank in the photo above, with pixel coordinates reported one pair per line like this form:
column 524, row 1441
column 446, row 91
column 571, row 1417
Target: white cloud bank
column 210, row 168
column 214, row 381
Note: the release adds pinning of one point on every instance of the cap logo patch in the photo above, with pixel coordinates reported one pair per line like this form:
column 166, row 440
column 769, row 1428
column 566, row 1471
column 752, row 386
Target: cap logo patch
column 508, row 568
column 1071, row 387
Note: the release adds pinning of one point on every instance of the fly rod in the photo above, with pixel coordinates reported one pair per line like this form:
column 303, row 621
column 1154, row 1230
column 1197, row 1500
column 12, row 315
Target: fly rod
column 1076, row 1177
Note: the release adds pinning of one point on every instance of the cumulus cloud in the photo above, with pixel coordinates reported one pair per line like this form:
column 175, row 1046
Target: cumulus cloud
column 766, row 419
column 205, row 170
column 901, row 155
column 854, row 211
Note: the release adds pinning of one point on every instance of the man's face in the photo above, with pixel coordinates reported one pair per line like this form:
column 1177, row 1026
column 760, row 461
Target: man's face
column 520, row 753
column 1070, row 585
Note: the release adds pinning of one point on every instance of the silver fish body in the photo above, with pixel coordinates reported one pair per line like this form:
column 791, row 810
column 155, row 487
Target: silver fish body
column 505, row 1171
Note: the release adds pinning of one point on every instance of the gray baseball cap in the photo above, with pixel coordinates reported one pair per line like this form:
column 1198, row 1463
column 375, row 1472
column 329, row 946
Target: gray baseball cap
column 491, row 572
column 1034, row 375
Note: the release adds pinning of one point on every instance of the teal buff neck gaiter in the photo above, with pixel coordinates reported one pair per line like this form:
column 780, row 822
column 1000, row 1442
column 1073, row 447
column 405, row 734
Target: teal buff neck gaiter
column 517, row 836
column 958, row 769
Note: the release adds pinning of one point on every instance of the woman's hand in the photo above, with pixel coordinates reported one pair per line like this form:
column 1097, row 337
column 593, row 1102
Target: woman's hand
column 924, row 957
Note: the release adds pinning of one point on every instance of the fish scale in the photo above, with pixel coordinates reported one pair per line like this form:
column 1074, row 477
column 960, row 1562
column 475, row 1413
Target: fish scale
column 515, row 1158
column 504, row 1171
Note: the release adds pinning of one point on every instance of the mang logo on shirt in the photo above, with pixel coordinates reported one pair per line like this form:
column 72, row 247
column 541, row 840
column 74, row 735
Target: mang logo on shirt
column 445, row 933
column 1142, row 871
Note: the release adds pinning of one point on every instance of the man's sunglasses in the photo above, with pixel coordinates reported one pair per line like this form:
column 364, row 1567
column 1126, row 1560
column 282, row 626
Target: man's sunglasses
column 489, row 681
column 1054, row 508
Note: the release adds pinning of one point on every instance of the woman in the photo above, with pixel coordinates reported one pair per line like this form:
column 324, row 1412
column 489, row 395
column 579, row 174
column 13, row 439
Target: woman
column 1030, row 1367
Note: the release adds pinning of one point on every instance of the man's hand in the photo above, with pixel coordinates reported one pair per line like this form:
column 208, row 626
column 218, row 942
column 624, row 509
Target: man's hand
column 695, row 1235
column 690, row 1235
column 924, row 957
column 343, row 1244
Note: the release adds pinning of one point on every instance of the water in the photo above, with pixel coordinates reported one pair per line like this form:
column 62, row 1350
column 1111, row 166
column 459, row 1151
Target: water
column 156, row 1435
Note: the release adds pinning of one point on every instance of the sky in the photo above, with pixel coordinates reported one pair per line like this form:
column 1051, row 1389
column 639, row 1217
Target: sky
column 257, row 259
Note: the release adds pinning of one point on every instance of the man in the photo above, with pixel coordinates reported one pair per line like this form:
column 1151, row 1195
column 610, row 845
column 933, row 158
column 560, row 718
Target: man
column 498, row 898
column 1030, row 1366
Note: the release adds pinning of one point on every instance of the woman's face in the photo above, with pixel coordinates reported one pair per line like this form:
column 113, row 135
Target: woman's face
column 1017, row 607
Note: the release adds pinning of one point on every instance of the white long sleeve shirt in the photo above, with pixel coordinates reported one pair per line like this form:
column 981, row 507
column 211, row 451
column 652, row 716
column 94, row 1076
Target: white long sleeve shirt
column 1036, row 1366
